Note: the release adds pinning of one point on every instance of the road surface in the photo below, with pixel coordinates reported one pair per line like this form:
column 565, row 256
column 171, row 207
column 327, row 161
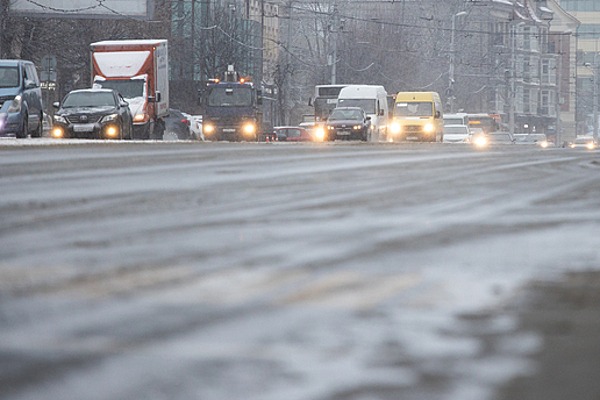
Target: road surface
column 269, row 271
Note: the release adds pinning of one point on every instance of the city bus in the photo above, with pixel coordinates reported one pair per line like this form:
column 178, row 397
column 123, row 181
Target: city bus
column 325, row 100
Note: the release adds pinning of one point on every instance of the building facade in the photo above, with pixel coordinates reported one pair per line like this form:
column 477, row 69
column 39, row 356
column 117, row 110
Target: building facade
column 587, row 12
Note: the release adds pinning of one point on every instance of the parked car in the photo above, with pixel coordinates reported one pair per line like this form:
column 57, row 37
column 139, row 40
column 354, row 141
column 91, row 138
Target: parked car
column 584, row 142
column 21, row 111
column 456, row 134
column 291, row 134
column 92, row 113
column 177, row 126
column 348, row 123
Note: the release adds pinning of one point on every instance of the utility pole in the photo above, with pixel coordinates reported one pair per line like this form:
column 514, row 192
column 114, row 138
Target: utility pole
column 451, row 68
column 334, row 31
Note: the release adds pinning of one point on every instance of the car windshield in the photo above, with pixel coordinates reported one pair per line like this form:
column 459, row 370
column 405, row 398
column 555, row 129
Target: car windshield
column 462, row 130
column 500, row 138
column 89, row 99
column 453, row 121
column 530, row 138
column 414, row 109
column 343, row 115
column 9, row 77
column 230, row 97
column 366, row 104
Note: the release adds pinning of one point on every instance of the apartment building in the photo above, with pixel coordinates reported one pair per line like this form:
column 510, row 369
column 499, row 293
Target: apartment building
column 587, row 12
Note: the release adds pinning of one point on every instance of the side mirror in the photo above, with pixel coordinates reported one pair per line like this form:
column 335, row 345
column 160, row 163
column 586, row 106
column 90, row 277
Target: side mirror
column 154, row 99
column 381, row 112
column 259, row 97
column 124, row 103
column 29, row 84
column 368, row 118
column 56, row 104
column 310, row 102
column 438, row 114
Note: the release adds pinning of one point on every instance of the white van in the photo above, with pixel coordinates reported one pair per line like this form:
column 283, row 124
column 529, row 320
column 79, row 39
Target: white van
column 372, row 99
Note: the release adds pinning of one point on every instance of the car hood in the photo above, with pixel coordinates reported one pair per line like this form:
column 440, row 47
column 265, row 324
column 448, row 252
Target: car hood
column 455, row 137
column 345, row 122
column 86, row 110
column 9, row 92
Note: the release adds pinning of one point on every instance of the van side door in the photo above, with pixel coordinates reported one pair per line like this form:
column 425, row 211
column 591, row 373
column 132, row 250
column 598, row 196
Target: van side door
column 32, row 94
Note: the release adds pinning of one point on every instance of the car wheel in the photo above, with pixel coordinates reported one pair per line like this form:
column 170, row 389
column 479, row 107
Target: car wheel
column 170, row 136
column 40, row 128
column 24, row 128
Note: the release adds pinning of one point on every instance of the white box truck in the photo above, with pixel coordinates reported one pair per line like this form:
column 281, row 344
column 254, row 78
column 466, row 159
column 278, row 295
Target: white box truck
column 139, row 70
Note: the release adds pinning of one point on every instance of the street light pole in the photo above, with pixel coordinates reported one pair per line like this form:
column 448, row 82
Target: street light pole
column 595, row 94
column 451, row 70
column 594, row 68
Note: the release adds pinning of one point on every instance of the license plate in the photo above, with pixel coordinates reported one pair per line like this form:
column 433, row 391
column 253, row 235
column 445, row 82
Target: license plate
column 343, row 133
column 412, row 138
column 83, row 127
column 228, row 130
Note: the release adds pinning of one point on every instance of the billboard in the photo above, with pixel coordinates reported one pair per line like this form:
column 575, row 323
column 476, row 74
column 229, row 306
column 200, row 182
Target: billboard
column 139, row 9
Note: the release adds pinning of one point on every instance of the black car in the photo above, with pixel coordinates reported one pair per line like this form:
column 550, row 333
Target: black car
column 177, row 125
column 92, row 113
column 348, row 123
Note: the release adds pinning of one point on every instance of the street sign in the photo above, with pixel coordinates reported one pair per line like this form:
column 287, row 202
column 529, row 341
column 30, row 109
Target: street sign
column 49, row 63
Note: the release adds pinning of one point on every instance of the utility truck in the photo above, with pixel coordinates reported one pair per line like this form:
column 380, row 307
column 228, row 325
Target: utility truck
column 232, row 108
column 139, row 70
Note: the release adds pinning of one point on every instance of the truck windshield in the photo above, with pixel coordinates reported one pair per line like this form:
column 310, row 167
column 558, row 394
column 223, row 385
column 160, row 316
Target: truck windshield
column 129, row 89
column 414, row 109
column 230, row 97
column 366, row 104
column 9, row 77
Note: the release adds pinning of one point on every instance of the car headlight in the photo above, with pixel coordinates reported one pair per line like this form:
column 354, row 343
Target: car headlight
column 357, row 127
column 109, row 118
column 15, row 105
column 395, row 128
column 208, row 128
column 141, row 117
column 58, row 132
column 320, row 134
column 111, row 131
column 429, row 127
column 249, row 128
column 480, row 141
column 591, row 146
column 330, row 127
column 60, row 119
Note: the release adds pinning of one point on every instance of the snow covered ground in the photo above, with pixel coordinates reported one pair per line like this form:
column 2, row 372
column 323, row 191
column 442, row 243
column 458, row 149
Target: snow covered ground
column 279, row 271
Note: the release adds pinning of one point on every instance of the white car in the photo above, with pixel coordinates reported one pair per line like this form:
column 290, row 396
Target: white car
column 538, row 139
column 584, row 142
column 456, row 134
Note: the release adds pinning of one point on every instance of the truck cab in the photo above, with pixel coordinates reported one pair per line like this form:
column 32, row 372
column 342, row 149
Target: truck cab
column 232, row 109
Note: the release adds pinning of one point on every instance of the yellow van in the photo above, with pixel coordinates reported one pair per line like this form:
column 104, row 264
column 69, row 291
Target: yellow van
column 417, row 116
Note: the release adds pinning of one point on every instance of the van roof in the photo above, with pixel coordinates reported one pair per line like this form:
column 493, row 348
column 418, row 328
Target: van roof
column 13, row 62
column 362, row 89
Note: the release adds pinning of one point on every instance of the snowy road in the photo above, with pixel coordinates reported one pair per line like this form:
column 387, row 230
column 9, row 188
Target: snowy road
column 222, row 271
